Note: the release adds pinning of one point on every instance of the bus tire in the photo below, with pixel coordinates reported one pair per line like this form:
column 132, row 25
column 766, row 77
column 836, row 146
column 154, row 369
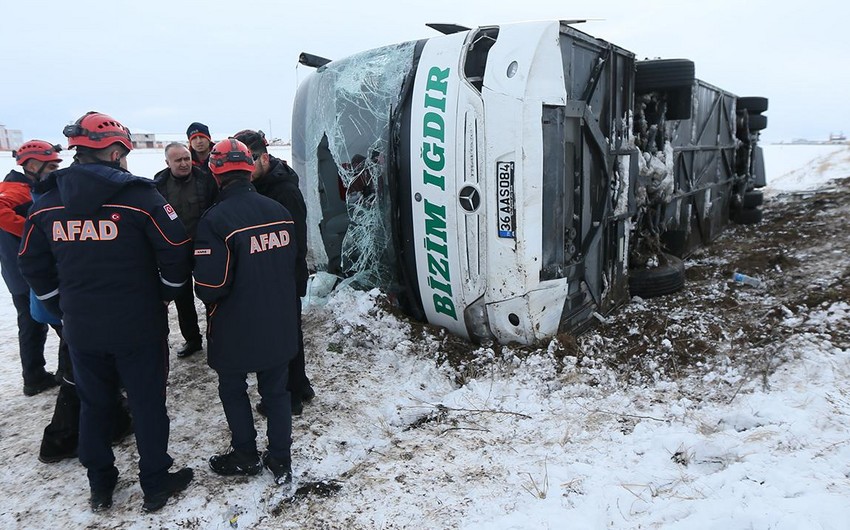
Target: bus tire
column 663, row 74
column 747, row 216
column 667, row 278
column 757, row 122
column 753, row 199
column 753, row 105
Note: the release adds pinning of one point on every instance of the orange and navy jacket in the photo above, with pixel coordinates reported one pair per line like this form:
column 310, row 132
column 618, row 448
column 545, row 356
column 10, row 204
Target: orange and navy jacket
column 245, row 271
column 109, row 248
column 15, row 200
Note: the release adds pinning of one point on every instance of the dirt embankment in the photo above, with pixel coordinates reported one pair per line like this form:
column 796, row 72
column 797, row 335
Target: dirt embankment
column 801, row 254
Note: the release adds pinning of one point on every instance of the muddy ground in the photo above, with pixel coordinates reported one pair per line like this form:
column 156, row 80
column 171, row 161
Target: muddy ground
column 800, row 252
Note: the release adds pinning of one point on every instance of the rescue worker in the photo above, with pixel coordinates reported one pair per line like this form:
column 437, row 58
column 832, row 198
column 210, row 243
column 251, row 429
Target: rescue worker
column 274, row 178
column 245, row 271
column 200, row 144
column 190, row 191
column 37, row 158
column 102, row 250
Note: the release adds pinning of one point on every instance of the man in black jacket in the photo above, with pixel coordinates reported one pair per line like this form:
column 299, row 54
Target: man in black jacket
column 103, row 250
column 190, row 191
column 200, row 144
column 274, row 178
column 245, row 272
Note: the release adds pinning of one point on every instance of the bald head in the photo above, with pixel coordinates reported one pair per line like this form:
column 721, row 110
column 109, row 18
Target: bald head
column 179, row 160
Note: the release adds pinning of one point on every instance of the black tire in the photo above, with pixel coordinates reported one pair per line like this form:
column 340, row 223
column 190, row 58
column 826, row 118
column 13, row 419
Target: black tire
column 757, row 122
column 747, row 216
column 662, row 74
column 753, row 105
column 667, row 278
column 753, row 199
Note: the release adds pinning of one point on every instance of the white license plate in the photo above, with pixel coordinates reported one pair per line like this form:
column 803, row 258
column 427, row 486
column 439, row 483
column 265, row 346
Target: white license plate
column 505, row 199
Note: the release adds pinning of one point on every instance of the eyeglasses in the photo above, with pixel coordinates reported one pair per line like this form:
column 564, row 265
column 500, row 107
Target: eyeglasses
column 255, row 156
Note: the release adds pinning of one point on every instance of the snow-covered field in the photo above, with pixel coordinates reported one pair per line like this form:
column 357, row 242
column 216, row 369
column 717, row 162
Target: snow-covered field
column 511, row 439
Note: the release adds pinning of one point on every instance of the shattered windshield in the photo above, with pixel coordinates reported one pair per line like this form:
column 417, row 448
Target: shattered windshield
column 341, row 146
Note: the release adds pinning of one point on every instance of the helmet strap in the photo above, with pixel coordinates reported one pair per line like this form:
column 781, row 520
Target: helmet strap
column 34, row 175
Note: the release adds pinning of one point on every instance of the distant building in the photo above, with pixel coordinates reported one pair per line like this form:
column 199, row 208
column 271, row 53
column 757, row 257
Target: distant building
column 143, row 140
column 837, row 138
column 834, row 139
column 10, row 138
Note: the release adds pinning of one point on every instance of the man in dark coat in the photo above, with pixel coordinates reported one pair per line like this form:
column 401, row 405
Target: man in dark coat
column 274, row 178
column 190, row 191
column 102, row 250
column 245, row 272
column 200, row 144
column 37, row 159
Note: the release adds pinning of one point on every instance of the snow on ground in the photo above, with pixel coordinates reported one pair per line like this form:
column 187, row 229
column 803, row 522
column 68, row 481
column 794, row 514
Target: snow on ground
column 511, row 438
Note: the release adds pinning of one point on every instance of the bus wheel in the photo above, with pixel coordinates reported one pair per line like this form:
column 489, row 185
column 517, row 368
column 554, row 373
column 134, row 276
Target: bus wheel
column 746, row 216
column 667, row 278
column 752, row 199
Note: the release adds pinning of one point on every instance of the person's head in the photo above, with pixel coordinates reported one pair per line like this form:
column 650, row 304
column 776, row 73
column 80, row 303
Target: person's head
column 178, row 159
column 38, row 158
column 256, row 142
column 199, row 137
column 99, row 137
column 230, row 160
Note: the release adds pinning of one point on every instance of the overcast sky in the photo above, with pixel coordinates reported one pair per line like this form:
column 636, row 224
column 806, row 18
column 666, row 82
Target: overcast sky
column 157, row 66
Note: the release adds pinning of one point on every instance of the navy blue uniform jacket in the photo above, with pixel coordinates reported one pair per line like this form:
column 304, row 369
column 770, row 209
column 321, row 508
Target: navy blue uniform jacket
column 245, row 270
column 110, row 249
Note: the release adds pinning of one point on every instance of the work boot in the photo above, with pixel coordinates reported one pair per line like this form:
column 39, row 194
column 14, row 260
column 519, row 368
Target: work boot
column 281, row 470
column 41, row 384
column 100, row 500
column 173, row 483
column 189, row 348
column 307, row 394
column 55, row 449
column 236, row 463
column 299, row 397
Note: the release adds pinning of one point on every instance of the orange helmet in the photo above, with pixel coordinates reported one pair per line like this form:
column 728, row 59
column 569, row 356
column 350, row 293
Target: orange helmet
column 230, row 155
column 97, row 131
column 37, row 150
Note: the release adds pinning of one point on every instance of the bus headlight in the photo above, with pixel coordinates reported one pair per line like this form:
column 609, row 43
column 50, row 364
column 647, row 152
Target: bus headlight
column 477, row 323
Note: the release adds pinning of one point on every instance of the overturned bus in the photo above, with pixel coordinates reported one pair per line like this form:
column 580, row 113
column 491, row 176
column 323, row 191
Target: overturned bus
column 512, row 182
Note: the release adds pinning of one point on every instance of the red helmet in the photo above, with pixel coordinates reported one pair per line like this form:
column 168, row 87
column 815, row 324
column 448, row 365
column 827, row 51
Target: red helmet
column 230, row 155
column 97, row 131
column 37, row 150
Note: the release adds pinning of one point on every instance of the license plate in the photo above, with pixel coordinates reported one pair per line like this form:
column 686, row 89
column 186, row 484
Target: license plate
column 505, row 199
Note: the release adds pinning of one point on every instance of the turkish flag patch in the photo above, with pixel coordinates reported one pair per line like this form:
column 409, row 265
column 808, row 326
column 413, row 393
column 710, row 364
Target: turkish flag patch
column 169, row 210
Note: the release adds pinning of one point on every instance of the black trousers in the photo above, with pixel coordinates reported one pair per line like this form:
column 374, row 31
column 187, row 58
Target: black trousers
column 142, row 370
column 31, row 338
column 297, row 381
column 233, row 391
column 61, row 436
column 64, row 428
column 187, row 315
